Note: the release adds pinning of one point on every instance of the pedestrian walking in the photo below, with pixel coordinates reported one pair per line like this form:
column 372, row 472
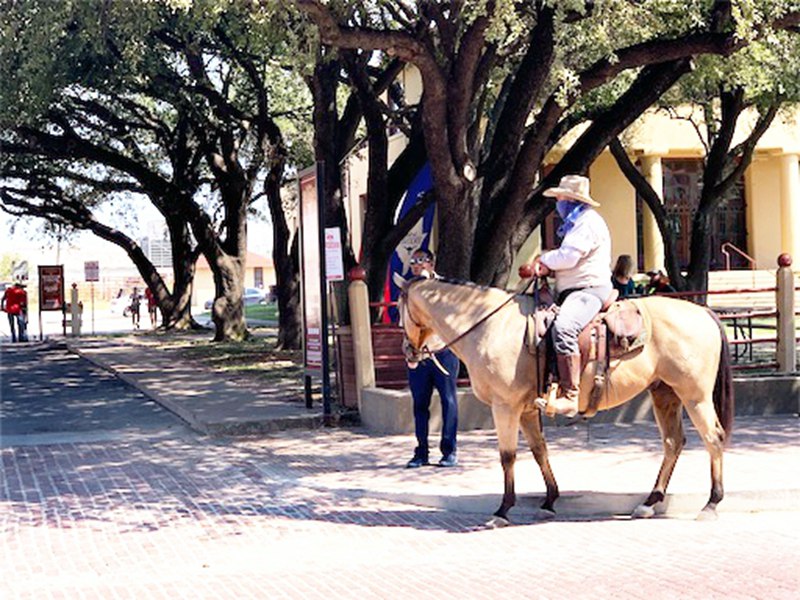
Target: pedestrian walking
column 152, row 306
column 136, row 304
column 15, row 304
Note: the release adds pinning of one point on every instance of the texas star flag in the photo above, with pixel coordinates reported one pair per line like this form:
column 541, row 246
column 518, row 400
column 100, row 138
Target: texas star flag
column 418, row 237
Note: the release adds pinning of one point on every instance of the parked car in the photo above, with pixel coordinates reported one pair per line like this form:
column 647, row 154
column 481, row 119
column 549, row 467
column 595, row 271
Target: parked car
column 251, row 296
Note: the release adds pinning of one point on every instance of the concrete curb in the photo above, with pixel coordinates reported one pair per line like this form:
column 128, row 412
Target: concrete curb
column 263, row 426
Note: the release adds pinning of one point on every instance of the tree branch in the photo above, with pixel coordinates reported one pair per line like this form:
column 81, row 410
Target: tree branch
column 653, row 202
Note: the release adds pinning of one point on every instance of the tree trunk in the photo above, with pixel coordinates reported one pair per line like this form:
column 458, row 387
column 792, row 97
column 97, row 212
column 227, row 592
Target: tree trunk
column 285, row 257
column 290, row 320
column 227, row 312
column 456, row 223
column 323, row 86
column 176, row 308
column 226, row 257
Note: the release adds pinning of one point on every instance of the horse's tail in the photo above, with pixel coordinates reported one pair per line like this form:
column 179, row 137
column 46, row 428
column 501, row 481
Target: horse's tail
column 723, row 388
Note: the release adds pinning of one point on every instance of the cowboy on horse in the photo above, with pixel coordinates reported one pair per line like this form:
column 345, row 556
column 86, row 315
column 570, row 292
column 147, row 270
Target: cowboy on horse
column 581, row 265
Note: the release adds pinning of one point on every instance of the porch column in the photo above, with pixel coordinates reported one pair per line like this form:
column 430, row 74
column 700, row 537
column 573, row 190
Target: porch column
column 651, row 237
column 790, row 205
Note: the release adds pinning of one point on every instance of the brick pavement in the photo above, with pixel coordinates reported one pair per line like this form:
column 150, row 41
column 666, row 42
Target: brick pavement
column 332, row 514
column 289, row 516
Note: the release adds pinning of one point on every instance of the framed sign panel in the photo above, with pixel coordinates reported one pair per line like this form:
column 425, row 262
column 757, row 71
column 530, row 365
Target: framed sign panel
column 51, row 287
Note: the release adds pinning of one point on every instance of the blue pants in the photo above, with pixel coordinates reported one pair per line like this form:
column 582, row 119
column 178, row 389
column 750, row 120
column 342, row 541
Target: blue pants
column 18, row 322
column 422, row 380
column 574, row 314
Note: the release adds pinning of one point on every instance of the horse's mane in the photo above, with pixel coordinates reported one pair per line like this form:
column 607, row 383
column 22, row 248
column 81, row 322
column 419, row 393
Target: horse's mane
column 468, row 290
column 469, row 284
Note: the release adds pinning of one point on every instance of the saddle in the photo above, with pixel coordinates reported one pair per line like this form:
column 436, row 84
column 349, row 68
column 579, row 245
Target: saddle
column 621, row 328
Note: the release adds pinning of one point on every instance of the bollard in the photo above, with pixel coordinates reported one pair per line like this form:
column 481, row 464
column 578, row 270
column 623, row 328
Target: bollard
column 784, row 304
column 75, row 310
column 358, row 295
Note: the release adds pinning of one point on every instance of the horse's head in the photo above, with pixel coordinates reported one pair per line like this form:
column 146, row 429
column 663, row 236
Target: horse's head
column 416, row 332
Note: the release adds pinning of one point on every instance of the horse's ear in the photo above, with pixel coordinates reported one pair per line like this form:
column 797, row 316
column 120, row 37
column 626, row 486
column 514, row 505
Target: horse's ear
column 426, row 274
column 399, row 281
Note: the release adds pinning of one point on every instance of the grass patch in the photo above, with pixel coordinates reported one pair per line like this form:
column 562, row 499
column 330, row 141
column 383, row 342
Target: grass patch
column 256, row 357
column 265, row 312
column 260, row 312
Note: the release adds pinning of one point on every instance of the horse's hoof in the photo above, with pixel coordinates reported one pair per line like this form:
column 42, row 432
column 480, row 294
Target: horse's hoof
column 643, row 512
column 546, row 514
column 497, row 522
column 708, row 514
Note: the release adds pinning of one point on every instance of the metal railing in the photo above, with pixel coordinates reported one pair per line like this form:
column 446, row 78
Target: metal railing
column 725, row 249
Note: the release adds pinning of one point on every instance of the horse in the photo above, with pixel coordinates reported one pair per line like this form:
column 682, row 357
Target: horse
column 685, row 365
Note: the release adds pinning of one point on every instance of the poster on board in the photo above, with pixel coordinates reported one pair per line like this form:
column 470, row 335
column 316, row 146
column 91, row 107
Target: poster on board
column 51, row 287
column 311, row 269
column 334, row 258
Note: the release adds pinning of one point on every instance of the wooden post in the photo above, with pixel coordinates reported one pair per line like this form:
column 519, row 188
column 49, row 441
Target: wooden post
column 358, row 295
column 75, row 311
column 784, row 304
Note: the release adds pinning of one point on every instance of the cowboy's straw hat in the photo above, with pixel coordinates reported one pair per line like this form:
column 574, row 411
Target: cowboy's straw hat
column 575, row 187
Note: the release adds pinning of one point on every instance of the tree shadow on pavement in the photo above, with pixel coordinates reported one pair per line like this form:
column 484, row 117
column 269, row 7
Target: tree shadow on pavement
column 344, row 477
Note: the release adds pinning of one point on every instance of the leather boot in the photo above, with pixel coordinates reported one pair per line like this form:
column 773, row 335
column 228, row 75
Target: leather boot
column 569, row 374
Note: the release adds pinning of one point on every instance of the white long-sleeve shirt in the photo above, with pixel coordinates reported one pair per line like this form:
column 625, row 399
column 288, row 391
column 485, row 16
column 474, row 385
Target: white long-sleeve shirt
column 584, row 257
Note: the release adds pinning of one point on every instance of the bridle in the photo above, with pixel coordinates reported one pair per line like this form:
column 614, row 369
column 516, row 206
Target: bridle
column 424, row 350
column 421, row 351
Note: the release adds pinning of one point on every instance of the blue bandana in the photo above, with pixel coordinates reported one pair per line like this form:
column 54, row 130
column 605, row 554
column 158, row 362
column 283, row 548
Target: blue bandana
column 569, row 211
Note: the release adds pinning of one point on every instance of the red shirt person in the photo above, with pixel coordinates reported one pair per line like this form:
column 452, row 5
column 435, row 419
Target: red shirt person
column 15, row 304
column 152, row 306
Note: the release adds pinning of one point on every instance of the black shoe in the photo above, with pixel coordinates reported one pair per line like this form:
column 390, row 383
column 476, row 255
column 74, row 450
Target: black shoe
column 448, row 461
column 417, row 462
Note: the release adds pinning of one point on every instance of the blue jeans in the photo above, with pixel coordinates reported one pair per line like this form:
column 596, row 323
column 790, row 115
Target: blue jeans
column 422, row 380
column 18, row 322
column 574, row 314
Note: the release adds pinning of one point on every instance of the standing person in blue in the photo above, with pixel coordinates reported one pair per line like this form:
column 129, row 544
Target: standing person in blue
column 582, row 269
column 425, row 375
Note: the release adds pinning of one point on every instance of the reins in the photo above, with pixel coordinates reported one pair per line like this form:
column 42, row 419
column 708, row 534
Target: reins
column 524, row 287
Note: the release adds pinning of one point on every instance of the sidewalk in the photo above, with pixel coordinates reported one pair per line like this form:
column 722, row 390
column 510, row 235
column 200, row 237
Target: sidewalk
column 602, row 469
column 208, row 402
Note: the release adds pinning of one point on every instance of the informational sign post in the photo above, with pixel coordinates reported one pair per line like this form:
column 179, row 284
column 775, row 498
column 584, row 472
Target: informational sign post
column 334, row 261
column 315, row 318
column 51, row 293
column 91, row 270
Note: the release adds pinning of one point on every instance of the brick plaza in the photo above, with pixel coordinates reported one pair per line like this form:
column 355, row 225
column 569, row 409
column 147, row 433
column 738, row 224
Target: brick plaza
column 296, row 515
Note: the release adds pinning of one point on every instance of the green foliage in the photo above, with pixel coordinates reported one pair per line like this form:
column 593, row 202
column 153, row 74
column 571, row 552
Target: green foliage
column 766, row 70
column 55, row 54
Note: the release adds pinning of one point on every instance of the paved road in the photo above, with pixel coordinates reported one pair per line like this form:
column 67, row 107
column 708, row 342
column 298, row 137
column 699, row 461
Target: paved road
column 163, row 513
column 45, row 389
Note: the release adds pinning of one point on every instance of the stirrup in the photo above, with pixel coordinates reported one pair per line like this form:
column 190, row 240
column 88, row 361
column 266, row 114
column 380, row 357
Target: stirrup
column 549, row 402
